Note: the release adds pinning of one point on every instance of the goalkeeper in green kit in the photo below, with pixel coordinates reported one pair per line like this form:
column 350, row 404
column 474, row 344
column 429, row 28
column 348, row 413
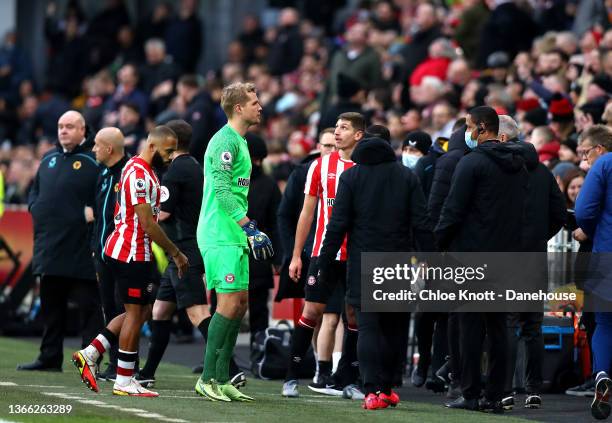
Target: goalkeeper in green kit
column 225, row 234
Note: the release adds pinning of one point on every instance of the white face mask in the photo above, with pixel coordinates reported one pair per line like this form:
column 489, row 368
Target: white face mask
column 410, row 160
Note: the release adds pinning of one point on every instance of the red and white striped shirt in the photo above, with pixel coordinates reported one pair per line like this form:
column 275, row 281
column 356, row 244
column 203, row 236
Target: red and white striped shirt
column 139, row 185
column 322, row 182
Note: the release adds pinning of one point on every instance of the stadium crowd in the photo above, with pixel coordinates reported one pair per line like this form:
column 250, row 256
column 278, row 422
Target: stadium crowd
column 405, row 64
column 418, row 68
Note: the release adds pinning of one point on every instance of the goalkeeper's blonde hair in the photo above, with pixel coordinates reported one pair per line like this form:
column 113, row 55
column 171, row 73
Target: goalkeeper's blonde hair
column 234, row 94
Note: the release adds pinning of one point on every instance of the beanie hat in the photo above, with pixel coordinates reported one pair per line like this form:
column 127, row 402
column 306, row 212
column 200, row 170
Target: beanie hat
column 527, row 104
column 419, row 140
column 561, row 109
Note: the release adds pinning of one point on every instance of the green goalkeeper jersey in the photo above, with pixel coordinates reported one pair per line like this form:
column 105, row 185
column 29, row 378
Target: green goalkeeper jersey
column 227, row 172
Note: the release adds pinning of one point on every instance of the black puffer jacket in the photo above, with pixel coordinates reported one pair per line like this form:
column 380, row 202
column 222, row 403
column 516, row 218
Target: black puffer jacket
column 380, row 205
column 445, row 167
column 484, row 208
column 545, row 209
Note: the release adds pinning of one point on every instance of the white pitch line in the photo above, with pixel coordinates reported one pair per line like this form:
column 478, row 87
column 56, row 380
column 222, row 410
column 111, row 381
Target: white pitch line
column 101, row 404
column 8, row 384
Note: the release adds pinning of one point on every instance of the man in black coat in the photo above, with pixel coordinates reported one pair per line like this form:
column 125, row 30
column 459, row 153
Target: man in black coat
column 545, row 214
column 482, row 213
column 380, row 205
column 264, row 198
column 60, row 202
column 443, row 174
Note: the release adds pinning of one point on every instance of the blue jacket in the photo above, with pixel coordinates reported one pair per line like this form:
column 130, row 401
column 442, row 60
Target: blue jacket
column 594, row 204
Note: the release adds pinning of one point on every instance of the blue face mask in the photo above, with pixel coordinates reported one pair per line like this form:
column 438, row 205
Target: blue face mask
column 409, row 160
column 472, row 144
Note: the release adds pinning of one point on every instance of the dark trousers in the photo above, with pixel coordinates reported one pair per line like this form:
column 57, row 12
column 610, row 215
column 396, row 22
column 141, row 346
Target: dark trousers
column 474, row 327
column 111, row 303
column 529, row 327
column 379, row 348
column 454, row 347
column 258, row 309
column 431, row 328
column 55, row 291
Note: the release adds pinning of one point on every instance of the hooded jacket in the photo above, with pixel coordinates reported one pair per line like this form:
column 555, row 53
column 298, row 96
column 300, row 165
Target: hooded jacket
column 484, row 208
column 64, row 184
column 380, row 205
column 545, row 210
column 445, row 167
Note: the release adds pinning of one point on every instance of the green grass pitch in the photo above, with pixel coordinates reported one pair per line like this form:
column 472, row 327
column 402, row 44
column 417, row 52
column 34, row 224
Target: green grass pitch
column 179, row 403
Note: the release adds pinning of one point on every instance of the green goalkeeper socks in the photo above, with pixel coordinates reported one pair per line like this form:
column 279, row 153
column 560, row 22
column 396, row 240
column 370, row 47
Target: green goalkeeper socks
column 227, row 351
column 217, row 334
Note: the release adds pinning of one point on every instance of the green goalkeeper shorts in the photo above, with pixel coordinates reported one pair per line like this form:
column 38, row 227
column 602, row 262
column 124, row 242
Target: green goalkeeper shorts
column 226, row 268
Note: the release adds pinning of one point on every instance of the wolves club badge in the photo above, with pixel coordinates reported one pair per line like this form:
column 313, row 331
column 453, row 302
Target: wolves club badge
column 76, row 165
column 230, row 278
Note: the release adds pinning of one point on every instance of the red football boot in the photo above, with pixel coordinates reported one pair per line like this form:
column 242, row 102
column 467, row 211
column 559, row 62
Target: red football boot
column 373, row 402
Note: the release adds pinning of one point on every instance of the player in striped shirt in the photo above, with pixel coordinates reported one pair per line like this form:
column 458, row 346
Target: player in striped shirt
column 320, row 192
column 128, row 253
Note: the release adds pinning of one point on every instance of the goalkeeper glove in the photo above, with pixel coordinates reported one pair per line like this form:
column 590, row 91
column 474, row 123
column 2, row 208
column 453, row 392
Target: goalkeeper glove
column 258, row 241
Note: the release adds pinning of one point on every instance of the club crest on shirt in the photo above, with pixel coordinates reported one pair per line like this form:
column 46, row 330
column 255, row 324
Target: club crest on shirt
column 230, row 278
column 165, row 194
column 76, row 165
column 117, row 187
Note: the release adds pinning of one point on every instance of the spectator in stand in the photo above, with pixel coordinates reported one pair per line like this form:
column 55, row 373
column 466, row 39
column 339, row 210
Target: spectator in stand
column 545, row 143
column 184, row 36
column 102, row 33
column 199, row 113
column 67, row 48
column 572, row 183
column 131, row 126
column 287, row 46
column 129, row 50
column 251, row 38
column 127, row 90
column 154, row 25
column 356, row 60
column 440, row 55
column 351, row 96
column 425, row 30
column 158, row 75
column 471, row 21
column 98, row 90
column 442, row 120
column 499, row 32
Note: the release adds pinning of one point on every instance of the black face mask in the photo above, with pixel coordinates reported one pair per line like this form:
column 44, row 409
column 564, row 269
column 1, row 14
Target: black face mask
column 157, row 161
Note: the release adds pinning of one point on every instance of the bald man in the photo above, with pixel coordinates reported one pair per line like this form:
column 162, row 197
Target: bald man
column 63, row 188
column 109, row 151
